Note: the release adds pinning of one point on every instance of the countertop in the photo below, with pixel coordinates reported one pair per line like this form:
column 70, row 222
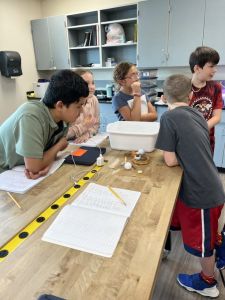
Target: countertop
column 38, row 267
column 107, row 101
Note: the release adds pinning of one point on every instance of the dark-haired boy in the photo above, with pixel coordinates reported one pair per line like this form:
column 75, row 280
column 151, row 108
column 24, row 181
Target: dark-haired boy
column 184, row 139
column 36, row 131
column 207, row 94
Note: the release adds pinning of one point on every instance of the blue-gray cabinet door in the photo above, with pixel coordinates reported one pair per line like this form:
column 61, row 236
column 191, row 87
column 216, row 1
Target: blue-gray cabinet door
column 168, row 31
column 218, row 157
column 50, row 43
column 214, row 35
column 185, row 30
column 58, row 42
column 153, row 20
column 42, row 48
column 219, row 152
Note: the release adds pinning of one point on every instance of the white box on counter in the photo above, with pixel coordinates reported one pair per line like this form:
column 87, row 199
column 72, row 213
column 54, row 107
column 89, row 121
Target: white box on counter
column 132, row 135
column 40, row 89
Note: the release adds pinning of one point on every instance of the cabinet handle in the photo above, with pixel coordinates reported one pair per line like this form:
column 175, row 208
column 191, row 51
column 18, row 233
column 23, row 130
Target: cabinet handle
column 164, row 57
column 52, row 65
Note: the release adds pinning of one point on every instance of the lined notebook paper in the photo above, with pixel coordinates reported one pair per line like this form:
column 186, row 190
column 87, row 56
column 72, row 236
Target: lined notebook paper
column 94, row 222
column 15, row 180
column 99, row 197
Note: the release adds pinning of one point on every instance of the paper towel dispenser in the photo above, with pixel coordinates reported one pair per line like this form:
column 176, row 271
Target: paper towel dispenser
column 10, row 63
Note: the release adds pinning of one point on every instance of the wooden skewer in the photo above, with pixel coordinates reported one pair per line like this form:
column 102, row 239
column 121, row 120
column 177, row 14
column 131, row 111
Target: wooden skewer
column 13, row 199
column 116, row 195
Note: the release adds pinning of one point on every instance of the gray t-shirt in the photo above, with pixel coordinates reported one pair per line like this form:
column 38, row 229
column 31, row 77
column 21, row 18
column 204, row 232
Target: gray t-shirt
column 28, row 132
column 119, row 100
column 184, row 131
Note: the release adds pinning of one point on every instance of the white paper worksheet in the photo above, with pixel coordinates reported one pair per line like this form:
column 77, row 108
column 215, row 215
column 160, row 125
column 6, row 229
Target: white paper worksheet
column 94, row 222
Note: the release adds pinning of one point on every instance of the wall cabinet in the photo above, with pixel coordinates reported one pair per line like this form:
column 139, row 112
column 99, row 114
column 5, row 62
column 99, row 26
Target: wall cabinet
column 80, row 39
column 185, row 30
column 87, row 36
column 50, row 43
column 219, row 152
column 41, row 43
column 83, row 32
column 214, row 25
column 152, row 33
column 167, row 31
column 127, row 17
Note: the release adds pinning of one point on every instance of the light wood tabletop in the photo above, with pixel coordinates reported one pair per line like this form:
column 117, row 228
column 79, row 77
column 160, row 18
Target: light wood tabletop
column 37, row 267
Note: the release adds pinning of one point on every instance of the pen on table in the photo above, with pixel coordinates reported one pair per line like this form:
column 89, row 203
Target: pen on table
column 116, row 195
column 13, row 199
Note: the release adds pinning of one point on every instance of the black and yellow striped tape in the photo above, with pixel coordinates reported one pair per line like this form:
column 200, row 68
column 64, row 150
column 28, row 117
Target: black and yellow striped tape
column 29, row 229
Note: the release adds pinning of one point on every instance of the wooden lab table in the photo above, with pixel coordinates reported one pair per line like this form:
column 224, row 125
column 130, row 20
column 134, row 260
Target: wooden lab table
column 37, row 267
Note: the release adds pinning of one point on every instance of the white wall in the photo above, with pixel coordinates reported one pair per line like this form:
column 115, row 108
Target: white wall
column 58, row 7
column 15, row 35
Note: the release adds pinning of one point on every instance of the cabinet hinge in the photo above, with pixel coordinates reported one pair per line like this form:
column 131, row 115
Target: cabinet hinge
column 167, row 56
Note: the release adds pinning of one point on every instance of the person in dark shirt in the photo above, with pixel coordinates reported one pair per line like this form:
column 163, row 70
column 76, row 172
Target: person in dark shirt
column 184, row 139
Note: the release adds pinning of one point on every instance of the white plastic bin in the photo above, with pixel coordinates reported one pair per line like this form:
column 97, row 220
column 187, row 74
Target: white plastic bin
column 132, row 135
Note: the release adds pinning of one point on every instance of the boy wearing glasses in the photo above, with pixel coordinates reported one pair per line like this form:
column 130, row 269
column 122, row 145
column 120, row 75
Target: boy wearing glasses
column 129, row 104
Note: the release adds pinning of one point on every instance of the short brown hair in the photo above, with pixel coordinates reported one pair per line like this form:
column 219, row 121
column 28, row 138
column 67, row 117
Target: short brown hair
column 121, row 71
column 203, row 55
column 177, row 88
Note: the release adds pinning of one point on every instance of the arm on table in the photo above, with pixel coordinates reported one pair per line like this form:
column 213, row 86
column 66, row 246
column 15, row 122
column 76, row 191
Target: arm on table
column 36, row 168
column 151, row 115
column 170, row 159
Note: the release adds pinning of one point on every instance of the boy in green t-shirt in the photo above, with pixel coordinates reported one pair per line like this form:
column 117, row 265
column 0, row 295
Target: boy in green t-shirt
column 36, row 131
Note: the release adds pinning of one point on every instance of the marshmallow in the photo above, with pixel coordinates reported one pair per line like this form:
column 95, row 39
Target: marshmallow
column 127, row 165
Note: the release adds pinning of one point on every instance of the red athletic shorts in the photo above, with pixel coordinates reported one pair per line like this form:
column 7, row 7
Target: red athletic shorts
column 198, row 227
